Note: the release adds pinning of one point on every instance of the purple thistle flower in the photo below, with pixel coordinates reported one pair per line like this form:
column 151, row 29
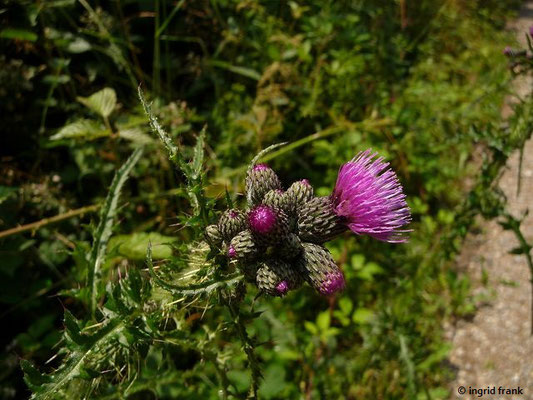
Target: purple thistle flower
column 262, row 219
column 507, row 50
column 259, row 167
column 282, row 288
column 232, row 253
column 370, row 199
column 333, row 283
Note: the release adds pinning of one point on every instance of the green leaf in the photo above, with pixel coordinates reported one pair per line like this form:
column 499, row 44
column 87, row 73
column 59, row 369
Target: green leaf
column 440, row 354
column 78, row 45
column 323, row 320
column 33, row 378
column 172, row 149
column 346, row 305
column 193, row 289
column 133, row 246
column 102, row 102
column 357, row 261
column 72, row 329
column 135, row 135
column 81, row 129
column 369, row 270
column 273, row 382
column 18, row 34
column 198, row 158
column 310, row 327
column 55, row 80
column 362, row 315
column 244, row 71
column 74, row 366
column 105, row 227
column 6, row 192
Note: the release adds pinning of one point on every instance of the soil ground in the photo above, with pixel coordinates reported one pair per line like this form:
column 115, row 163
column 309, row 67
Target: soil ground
column 495, row 348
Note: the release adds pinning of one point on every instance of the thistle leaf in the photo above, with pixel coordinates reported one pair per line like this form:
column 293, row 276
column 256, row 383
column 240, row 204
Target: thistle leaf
column 205, row 287
column 172, row 149
column 33, row 378
column 105, row 227
column 72, row 329
column 198, row 158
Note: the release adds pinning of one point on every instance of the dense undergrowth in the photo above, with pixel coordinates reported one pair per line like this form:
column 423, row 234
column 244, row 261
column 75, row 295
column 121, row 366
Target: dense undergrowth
column 92, row 317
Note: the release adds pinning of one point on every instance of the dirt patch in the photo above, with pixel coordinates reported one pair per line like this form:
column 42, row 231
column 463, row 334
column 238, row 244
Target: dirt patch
column 495, row 348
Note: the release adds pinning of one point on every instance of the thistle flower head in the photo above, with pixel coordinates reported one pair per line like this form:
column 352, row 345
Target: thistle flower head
column 333, row 282
column 370, row 198
column 259, row 181
column 232, row 253
column 231, row 223
column 282, row 288
column 259, row 167
column 262, row 219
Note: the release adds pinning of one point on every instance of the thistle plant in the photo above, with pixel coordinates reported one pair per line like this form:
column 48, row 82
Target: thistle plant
column 276, row 243
column 278, row 240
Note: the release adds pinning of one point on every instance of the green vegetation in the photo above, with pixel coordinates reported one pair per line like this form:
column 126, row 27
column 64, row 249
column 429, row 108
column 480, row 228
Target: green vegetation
column 123, row 298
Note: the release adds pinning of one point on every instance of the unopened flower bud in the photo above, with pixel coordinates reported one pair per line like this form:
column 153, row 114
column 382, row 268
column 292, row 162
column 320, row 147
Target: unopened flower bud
column 242, row 246
column 275, row 198
column 275, row 277
column 231, row 223
column 260, row 180
column 298, row 194
column 319, row 269
column 213, row 235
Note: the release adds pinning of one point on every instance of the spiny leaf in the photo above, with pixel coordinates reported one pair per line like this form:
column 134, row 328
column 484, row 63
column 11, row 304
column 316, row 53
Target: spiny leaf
column 104, row 229
column 72, row 329
column 135, row 285
column 102, row 102
column 74, row 366
column 229, row 202
column 33, row 378
column 262, row 153
column 172, row 149
column 192, row 289
column 198, row 158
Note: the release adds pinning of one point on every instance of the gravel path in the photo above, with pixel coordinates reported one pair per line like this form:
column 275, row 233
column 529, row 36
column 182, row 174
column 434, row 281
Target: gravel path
column 495, row 348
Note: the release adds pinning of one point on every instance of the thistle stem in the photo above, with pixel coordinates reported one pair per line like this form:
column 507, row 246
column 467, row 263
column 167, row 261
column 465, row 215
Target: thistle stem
column 247, row 345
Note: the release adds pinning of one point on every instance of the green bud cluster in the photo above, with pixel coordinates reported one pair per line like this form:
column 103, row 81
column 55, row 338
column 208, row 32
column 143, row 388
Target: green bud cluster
column 277, row 241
